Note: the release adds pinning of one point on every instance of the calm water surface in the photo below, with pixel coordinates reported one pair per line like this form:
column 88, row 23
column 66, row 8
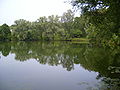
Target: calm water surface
column 58, row 66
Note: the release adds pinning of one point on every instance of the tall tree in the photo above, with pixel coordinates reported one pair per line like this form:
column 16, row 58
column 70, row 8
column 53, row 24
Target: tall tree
column 5, row 33
column 20, row 29
column 67, row 20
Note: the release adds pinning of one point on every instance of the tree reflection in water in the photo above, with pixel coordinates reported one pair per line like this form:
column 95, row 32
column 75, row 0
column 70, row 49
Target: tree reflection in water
column 102, row 60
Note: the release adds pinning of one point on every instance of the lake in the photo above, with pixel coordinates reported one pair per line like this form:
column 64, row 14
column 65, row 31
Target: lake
column 58, row 66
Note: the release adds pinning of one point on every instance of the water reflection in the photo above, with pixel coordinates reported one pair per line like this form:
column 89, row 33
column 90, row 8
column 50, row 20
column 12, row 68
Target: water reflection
column 102, row 60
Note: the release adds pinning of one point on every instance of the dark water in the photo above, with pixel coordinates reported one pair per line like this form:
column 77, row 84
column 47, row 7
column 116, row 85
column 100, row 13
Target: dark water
column 58, row 66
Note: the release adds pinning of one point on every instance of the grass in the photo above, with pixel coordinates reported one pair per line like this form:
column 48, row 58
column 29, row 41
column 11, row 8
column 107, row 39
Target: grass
column 80, row 40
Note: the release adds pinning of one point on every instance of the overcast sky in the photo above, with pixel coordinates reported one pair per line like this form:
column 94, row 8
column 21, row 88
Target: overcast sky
column 11, row 10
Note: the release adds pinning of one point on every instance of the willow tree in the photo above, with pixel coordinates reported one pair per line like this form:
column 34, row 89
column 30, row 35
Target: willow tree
column 67, row 22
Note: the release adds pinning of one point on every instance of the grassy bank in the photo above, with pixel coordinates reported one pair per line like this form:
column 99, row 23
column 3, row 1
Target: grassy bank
column 80, row 40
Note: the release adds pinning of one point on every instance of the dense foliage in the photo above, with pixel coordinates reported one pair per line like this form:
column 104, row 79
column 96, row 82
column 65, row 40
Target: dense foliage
column 5, row 33
column 104, row 20
column 53, row 27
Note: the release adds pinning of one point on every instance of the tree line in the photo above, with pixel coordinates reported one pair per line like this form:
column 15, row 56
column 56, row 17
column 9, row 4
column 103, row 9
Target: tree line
column 53, row 27
column 99, row 22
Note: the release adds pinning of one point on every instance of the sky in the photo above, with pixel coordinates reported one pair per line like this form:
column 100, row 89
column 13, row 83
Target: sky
column 11, row 10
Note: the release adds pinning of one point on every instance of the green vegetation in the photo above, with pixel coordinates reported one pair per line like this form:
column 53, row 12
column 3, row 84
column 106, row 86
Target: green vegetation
column 103, row 25
column 99, row 23
column 5, row 33
column 65, row 27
